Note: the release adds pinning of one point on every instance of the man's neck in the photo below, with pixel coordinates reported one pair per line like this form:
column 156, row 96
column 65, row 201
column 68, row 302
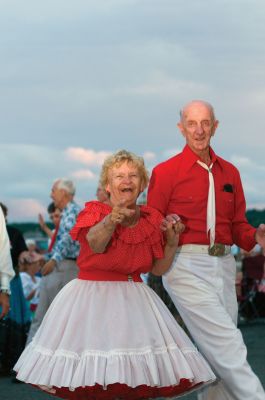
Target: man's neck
column 205, row 157
column 64, row 204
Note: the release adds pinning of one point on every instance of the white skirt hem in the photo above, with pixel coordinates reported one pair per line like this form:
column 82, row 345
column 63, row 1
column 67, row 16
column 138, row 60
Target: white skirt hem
column 110, row 332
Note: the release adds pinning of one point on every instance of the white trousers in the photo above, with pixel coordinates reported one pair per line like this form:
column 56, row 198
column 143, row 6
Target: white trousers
column 51, row 284
column 202, row 288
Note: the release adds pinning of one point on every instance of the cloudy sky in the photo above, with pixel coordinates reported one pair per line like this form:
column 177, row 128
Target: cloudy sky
column 82, row 78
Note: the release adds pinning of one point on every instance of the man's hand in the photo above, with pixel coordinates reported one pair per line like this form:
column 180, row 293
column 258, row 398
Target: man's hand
column 175, row 221
column 260, row 236
column 48, row 267
column 41, row 221
column 4, row 302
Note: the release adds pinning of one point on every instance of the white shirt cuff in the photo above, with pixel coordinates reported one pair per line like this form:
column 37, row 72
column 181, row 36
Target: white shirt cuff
column 5, row 281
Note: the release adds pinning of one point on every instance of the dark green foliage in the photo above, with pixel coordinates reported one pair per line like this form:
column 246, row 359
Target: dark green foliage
column 255, row 217
column 30, row 227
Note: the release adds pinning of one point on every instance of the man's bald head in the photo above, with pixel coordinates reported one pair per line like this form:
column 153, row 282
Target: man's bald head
column 196, row 103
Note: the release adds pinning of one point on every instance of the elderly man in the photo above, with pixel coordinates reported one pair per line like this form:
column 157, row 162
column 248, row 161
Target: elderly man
column 205, row 191
column 61, row 265
column 6, row 268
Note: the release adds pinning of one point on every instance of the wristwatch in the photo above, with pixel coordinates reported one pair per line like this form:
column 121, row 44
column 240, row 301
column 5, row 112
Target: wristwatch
column 5, row 291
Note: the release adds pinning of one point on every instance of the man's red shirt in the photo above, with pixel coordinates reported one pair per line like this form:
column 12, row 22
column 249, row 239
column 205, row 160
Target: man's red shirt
column 180, row 186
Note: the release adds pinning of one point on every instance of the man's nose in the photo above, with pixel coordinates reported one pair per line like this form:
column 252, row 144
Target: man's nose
column 199, row 128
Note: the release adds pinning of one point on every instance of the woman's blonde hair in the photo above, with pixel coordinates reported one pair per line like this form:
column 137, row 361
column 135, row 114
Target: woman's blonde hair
column 119, row 158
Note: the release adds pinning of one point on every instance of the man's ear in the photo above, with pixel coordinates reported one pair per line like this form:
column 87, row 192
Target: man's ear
column 215, row 126
column 181, row 128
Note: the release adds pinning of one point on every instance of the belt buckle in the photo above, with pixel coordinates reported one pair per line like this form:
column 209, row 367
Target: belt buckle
column 217, row 250
column 130, row 278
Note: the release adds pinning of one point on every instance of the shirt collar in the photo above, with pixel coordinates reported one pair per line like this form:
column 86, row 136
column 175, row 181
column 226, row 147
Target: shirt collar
column 190, row 158
column 68, row 207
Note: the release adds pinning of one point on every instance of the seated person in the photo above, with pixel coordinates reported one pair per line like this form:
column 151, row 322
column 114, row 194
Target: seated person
column 29, row 267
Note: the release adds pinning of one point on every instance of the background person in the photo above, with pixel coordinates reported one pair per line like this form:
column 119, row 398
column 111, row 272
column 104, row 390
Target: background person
column 29, row 267
column 15, row 326
column 107, row 335
column 206, row 192
column 55, row 215
column 6, row 270
column 60, row 266
column 101, row 194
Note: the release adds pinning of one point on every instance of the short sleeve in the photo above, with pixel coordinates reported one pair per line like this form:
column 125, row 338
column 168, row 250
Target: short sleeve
column 93, row 213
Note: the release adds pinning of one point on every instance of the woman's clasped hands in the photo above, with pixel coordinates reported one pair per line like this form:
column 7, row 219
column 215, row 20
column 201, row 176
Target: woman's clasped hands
column 172, row 227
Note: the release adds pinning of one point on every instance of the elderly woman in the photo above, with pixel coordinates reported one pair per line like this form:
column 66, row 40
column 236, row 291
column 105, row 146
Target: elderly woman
column 107, row 335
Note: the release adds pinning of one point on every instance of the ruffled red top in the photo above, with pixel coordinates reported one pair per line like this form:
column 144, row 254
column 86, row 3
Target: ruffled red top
column 130, row 250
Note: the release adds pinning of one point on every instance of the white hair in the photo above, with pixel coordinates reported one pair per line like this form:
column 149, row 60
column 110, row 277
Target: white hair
column 65, row 184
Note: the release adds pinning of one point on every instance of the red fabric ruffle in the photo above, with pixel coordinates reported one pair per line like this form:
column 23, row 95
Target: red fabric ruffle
column 146, row 229
column 123, row 392
column 93, row 212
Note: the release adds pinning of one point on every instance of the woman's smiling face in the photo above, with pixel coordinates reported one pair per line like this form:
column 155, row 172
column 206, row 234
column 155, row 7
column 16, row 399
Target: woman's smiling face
column 124, row 184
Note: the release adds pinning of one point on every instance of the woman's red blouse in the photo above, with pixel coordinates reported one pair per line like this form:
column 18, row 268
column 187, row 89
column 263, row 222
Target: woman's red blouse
column 129, row 250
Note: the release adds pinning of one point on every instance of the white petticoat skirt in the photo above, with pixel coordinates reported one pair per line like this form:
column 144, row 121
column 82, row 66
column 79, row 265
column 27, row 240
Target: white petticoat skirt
column 111, row 340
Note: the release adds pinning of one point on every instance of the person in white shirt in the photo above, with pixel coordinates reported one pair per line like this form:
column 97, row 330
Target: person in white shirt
column 30, row 282
column 6, row 269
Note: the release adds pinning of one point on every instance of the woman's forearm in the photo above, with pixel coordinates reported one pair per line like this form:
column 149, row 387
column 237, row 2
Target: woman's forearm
column 172, row 227
column 160, row 266
column 99, row 235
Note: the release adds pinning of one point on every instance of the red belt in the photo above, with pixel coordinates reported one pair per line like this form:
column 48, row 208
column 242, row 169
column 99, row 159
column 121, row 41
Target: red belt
column 98, row 275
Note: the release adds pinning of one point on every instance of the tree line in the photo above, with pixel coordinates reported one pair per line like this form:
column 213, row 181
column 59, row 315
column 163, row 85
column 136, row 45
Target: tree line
column 254, row 217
